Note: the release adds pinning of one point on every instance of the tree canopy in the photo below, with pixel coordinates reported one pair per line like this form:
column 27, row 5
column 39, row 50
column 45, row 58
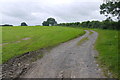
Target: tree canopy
column 111, row 8
column 49, row 22
column 23, row 24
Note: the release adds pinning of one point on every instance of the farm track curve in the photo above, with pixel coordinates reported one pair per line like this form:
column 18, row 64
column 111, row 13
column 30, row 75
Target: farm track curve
column 69, row 60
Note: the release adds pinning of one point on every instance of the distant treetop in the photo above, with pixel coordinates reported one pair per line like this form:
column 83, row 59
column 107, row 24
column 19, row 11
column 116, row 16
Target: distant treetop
column 6, row 25
column 49, row 22
column 23, row 24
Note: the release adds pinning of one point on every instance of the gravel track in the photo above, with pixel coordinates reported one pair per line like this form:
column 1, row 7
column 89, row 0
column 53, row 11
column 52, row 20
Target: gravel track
column 69, row 60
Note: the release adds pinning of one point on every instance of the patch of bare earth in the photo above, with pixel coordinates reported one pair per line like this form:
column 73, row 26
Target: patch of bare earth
column 15, row 41
column 26, row 38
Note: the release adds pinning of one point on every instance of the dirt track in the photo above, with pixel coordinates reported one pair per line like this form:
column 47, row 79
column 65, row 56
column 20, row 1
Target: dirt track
column 68, row 60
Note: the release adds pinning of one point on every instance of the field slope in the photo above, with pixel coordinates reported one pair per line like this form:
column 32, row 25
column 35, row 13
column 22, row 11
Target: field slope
column 18, row 40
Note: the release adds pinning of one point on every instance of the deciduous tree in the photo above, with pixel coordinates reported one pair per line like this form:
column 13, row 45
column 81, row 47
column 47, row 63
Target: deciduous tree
column 50, row 22
column 23, row 24
column 111, row 8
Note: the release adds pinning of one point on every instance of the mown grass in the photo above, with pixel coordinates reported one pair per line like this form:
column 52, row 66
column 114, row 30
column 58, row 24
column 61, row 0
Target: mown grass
column 40, row 37
column 107, row 46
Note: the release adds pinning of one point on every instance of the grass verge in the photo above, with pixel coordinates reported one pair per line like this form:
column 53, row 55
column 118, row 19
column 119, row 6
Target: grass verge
column 107, row 46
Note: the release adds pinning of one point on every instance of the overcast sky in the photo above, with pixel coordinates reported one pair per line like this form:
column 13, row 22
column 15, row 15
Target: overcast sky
column 34, row 12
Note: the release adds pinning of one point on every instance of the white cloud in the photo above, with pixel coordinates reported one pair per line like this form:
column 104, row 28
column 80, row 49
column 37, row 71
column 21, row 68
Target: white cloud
column 36, row 11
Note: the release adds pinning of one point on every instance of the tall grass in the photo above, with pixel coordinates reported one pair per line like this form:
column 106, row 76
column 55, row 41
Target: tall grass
column 40, row 37
column 107, row 45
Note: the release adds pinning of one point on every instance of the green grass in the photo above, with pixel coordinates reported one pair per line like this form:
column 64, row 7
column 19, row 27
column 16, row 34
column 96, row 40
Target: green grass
column 107, row 46
column 0, row 46
column 40, row 37
column 90, row 33
column 82, row 40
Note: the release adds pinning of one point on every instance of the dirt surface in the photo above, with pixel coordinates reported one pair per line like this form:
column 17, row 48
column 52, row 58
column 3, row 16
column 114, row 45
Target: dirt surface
column 0, row 72
column 2, row 44
column 68, row 60
column 16, row 66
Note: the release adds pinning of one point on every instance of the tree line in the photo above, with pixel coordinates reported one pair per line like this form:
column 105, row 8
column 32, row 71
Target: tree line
column 106, row 24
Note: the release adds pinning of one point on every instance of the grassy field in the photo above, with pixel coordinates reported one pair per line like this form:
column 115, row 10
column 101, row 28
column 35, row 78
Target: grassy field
column 18, row 40
column 107, row 46
column 40, row 37
column 0, row 46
